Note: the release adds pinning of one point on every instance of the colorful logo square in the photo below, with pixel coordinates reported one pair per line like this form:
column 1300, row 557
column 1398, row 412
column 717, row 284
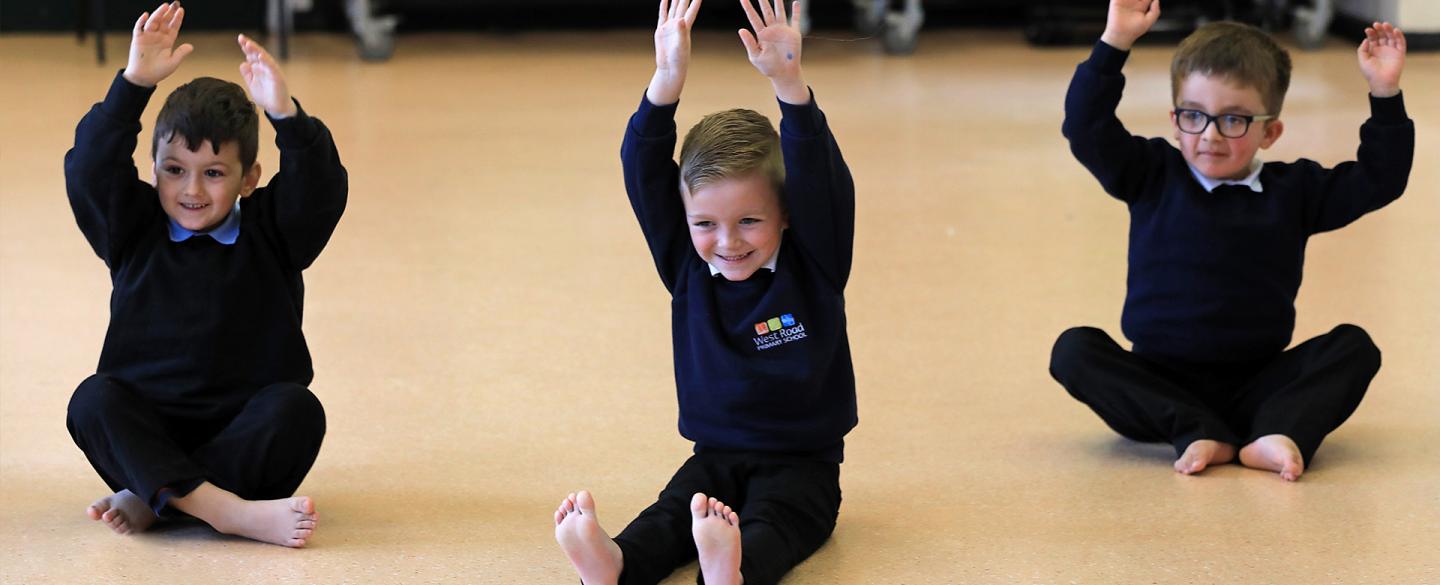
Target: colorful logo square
column 787, row 320
column 774, row 324
column 762, row 328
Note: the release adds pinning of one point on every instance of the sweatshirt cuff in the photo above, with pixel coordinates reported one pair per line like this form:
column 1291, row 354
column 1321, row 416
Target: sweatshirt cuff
column 126, row 101
column 653, row 120
column 298, row 130
column 1389, row 110
column 1107, row 59
column 801, row 120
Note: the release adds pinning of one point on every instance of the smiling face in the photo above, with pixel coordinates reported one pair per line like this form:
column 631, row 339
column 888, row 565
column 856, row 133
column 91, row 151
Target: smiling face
column 1216, row 156
column 735, row 223
column 198, row 188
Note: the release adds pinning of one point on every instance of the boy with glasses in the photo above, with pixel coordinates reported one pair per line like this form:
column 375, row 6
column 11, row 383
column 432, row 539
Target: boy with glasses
column 1217, row 244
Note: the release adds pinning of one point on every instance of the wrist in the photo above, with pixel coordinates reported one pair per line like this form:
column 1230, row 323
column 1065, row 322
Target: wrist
column 665, row 87
column 1385, row 91
column 286, row 110
column 1119, row 41
column 792, row 90
column 136, row 79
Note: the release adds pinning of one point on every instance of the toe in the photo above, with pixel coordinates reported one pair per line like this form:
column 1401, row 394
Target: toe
column 585, row 502
column 699, row 506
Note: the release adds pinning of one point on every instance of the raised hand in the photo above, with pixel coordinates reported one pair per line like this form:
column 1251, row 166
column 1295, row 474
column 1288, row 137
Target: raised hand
column 1382, row 58
column 264, row 80
column 672, row 50
column 774, row 48
column 153, row 54
column 1129, row 20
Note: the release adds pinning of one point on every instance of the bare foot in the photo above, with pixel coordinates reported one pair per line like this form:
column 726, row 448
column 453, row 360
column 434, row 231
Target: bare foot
column 594, row 554
column 717, row 538
column 123, row 511
column 1275, row 453
column 286, row 522
column 1204, row 453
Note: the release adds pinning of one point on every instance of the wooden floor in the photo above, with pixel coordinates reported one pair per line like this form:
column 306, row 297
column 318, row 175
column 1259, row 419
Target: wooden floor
column 489, row 333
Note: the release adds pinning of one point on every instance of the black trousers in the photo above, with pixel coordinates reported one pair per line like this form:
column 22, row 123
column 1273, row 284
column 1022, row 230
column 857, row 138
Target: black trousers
column 1304, row 393
column 787, row 507
column 259, row 449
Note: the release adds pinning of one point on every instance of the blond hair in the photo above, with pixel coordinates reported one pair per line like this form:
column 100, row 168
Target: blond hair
column 1238, row 52
column 731, row 144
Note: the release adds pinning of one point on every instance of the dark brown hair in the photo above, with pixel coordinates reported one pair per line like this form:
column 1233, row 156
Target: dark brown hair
column 209, row 109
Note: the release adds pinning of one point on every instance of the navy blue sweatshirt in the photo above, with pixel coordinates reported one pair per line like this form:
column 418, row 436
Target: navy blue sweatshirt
column 198, row 326
column 761, row 364
column 1213, row 275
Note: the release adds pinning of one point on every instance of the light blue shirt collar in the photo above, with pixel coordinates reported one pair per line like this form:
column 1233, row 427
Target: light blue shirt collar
column 1252, row 180
column 226, row 233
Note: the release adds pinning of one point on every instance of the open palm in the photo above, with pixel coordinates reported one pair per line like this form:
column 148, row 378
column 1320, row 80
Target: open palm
column 672, row 34
column 774, row 47
column 1382, row 58
column 153, row 54
column 263, row 79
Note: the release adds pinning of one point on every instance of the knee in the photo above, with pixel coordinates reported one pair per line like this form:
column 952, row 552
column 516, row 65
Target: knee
column 292, row 406
column 95, row 396
column 1071, row 348
column 1358, row 345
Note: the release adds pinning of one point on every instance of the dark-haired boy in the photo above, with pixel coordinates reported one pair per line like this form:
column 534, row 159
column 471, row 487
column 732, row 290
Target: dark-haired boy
column 752, row 234
column 200, row 400
column 1217, row 243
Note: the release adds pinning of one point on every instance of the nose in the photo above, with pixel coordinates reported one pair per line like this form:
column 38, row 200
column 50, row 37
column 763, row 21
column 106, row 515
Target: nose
column 1212, row 131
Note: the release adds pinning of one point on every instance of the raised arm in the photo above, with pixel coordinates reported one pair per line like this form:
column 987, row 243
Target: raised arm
column 1123, row 163
column 109, row 200
column 647, row 154
column 1381, row 168
column 774, row 48
column 307, row 197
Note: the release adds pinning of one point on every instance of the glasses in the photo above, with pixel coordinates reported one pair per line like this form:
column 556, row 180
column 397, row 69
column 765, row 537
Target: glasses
column 1229, row 125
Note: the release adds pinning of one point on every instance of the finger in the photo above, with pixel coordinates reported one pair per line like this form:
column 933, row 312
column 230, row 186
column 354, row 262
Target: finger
column 664, row 9
column 754, row 18
column 157, row 17
column 767, row 13
column 1364, row 50
column 780, row 13
column 1152, row 13
column 140, row 23
column 247, row 73
column 751, row 47
column 692, row 12
column 175, row 21
column 1400, row 40
column 182, row 52
column 675, row 9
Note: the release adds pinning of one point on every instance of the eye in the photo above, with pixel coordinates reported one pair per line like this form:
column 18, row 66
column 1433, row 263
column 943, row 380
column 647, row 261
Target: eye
column 173, row 170
column 704, row 223
column 750, row 221
column 1232, row 120
column 214, row 173
column 1192, row 116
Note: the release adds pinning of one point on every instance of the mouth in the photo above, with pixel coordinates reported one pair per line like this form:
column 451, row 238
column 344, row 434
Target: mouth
column 193, row 206
column 735, row 259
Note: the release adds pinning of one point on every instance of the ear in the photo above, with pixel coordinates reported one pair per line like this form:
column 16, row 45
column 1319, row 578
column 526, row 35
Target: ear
column 1273, row 130
column 1175, row 124
column 252, row 179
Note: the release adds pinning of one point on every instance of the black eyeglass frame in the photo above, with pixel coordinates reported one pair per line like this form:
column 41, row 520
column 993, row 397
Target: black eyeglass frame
column 1179, row 112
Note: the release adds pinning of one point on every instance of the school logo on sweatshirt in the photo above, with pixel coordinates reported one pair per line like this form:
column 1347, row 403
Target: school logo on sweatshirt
column 778, row 331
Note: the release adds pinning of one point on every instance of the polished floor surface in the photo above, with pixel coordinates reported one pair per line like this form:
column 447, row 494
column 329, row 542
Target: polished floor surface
column 489, row 333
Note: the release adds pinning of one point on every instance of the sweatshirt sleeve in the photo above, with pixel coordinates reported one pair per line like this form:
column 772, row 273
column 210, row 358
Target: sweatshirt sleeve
column 1377, row 176
column 819, row 190
column 1127, row 166
column 110, row 202
column 305, row 199
column 652, row 181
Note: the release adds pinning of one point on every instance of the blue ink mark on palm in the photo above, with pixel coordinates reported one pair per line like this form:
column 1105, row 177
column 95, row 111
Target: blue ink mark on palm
column 789, row 56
